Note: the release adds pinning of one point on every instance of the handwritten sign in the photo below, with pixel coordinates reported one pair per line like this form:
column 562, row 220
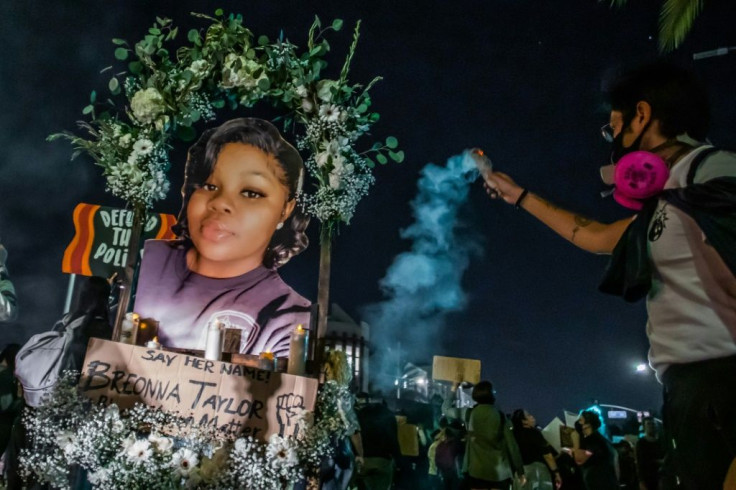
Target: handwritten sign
column 102, row 236
column 240, row 399
column 455, row 369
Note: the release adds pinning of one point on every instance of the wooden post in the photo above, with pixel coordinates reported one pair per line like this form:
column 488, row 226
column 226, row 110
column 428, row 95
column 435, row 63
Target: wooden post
column 323, row 288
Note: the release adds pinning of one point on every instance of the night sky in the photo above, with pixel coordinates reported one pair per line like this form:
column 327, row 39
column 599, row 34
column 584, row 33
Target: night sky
column 520, row 79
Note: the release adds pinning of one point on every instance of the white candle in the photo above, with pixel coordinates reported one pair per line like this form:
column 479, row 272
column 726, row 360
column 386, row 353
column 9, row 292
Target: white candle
column 298, row 351
column 153, row 344
column 129, row 328
column 215, row 340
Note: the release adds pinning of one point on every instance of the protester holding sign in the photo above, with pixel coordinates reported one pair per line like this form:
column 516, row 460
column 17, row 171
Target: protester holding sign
column 8, row 305
column 238, row 223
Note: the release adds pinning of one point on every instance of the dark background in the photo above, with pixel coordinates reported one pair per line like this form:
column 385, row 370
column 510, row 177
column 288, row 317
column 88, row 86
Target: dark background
column 520, row 79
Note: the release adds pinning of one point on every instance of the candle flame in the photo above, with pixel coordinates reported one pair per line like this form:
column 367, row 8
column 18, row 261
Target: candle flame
column 266, row 354
column 155, row 339
column 299, row 328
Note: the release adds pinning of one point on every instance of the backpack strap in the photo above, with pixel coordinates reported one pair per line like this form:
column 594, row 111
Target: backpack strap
column 697, row 161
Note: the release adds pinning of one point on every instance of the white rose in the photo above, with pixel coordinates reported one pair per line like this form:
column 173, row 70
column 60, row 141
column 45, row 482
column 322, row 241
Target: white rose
column 147, row 105
column 199, row 68
column 161, row 443
column 125, row 140
column 301, row 91
column 307, row 105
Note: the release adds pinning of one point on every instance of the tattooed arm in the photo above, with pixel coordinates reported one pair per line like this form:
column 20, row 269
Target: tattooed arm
column 587, row 234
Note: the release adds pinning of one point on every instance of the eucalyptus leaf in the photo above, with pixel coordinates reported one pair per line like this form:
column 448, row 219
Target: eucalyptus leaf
column 396, row 156
column 337, row 24
column 264, row 84
column 93, row 97
column 262, row 40
column 119, row 42
column 113, row 84
column 155, row 31
column 370, row 163
column 218, row 104
column 219, row 12
column 88, row 109
column 135, row 67
column 381, row 158
column 392, row 142
column 192, row 35
column 121, row 54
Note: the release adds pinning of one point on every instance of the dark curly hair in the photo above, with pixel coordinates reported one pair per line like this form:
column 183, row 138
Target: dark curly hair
column 291, row 239
column 677, row 97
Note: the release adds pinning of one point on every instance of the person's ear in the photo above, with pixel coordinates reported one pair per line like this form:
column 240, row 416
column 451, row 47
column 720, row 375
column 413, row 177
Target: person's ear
column 288, row 209
column 642, row 116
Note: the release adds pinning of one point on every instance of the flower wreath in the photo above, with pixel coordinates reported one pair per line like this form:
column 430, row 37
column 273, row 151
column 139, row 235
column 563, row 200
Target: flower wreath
column 223, row 66
column 147, row 448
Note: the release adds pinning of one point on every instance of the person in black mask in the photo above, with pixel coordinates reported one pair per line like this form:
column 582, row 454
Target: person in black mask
column 678, row 252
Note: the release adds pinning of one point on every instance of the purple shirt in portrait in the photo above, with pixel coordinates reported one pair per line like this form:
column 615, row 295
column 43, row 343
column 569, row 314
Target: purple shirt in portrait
column 183, row 303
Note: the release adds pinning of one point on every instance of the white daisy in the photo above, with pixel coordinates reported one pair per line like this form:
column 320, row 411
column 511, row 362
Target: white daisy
column 280, row 452
column 184, row 460
column 139, row 451
column 329, row 112
column 143, row 146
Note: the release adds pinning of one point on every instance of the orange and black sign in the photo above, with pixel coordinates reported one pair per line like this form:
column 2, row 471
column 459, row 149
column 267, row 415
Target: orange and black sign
column 100, row 245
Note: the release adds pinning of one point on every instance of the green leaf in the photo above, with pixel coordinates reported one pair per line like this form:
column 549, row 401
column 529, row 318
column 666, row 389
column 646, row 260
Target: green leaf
column 369, row 162
column 119, row 42
column 193, row 35
column 121, row 54
column 337, row 24
column 362, row 108
column 135, row 67
column 219, row 12
column 264, row 84
column 195, row 115
column 381, row 158
column 155, row 31
column 92, row 97
column 88, row 109
column 113, row 85
column 392, row 142
column 396, row 156
column 675, row 21
column 262, row 40
column 218, row 104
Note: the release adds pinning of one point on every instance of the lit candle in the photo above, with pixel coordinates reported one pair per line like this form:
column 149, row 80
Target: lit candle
column 153, row 344
column 298, row 351
column 215, row 340
column 266, row 361
column 129, row 328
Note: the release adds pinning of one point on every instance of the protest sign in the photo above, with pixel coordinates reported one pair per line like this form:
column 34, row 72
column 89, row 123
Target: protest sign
column 241, row 399
column 455, row 369
column 102, row 238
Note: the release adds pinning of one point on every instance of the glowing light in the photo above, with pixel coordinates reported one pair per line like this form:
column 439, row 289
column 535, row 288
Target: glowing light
column 421, row 381
column 641, row 367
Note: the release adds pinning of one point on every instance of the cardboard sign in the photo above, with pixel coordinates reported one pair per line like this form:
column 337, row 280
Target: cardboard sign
column 240, row 399
column 102, row 236
column 451, row 368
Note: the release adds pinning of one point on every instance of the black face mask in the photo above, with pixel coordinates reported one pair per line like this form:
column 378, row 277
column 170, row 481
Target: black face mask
column 618, row 149
column 579, row 427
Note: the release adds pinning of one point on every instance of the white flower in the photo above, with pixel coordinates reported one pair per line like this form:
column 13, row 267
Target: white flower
column 307, row 105
column 161, row 443
column 329, row 112
column 334, row 179
column 322, row 158
column 124, row 140
column 139, row 451
column 199, row 68
column 238, row 71
column 280, row 452
column 67, row 442
column 128, row 441
column 301, row 91
column 143, row 146
column 147, row 105
column 184, row 460
column 324, row 89
column 161, row 122
column 99, row 477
